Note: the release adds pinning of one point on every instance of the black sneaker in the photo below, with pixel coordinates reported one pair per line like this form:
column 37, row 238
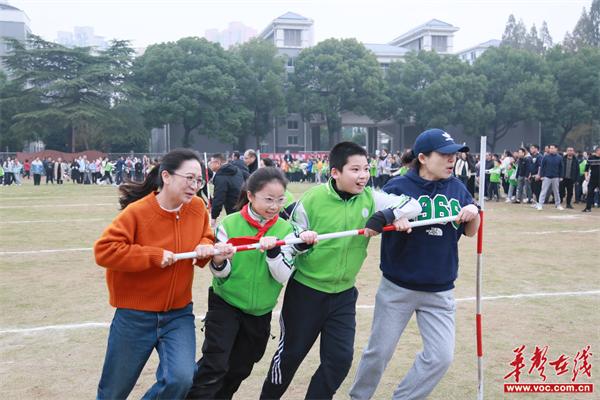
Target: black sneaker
column 569, row 206
column 586, row 210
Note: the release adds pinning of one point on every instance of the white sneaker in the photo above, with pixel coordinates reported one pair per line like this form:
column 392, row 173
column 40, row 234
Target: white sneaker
column 538, row 207
column 507, row 201
column 560, row 208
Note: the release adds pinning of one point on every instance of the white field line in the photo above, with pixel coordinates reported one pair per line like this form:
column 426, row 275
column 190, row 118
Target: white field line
column 42, row 197
column 61, row 221
column 85, row 325
column 565, row 231
column 11, row 253
column 61, row 205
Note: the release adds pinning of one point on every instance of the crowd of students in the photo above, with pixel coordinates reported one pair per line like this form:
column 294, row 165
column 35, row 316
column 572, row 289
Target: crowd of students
column 151, row 289
column 527, row 176
column 80, row 170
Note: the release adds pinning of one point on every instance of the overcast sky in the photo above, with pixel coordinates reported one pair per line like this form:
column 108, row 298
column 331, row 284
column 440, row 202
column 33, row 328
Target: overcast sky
column 370, row 21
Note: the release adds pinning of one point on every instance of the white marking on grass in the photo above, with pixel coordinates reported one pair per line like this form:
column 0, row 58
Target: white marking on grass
column 564, row 231
column 42, row 197
column 275, row 312
column 60, row 205
column 63, row 327
column 564, row 216
column 10, row 253
column 516, row 296
column 62, row 221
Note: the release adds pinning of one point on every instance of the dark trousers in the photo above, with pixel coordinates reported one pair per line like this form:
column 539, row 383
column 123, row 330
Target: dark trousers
column 578, row 189
column 493, row 190
column 505, row 184
column 36, row 179
column 471, row 185
column 9, row 178
column 381, row 180
column 49, row 176
column 536, row 188
column 592, row 185
column 566, row 185
column 234, row 342
column 307, row 313
column 107, row 177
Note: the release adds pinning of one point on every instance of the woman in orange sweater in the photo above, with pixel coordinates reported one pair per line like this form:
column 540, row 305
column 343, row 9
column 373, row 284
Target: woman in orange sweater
column 151, row 291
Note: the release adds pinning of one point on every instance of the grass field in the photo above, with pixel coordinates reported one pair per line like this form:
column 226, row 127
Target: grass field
column 541, row 281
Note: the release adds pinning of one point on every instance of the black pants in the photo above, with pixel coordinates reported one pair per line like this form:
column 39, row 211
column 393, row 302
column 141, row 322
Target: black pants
column 234, row 341
column 9, row 178
column 471, row 185
column 578, row 189
column 592, row 185
column 49, row 176
column 566, row 185
column 36, row 179
column 493, row 190
column 307, row 313
column 107, row 177
column 536, row 188
column 383, row 179
column 505, row 184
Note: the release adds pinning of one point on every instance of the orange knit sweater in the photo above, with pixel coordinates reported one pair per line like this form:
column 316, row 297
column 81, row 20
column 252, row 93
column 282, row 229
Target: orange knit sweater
column 131, row 250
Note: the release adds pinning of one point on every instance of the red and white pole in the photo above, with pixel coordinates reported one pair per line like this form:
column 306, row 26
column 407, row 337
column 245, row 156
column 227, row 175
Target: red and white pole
column 480, row 268
column 325, row 236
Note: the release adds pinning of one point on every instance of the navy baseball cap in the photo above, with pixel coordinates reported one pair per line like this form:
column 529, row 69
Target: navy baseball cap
column 437, row 140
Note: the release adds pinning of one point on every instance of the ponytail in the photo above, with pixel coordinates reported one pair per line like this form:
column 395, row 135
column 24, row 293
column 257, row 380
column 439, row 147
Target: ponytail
column 412, row 160
column 243, row 199
column 131, row 191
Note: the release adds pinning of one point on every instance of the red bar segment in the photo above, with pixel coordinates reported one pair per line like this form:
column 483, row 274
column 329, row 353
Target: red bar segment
column 479, row 336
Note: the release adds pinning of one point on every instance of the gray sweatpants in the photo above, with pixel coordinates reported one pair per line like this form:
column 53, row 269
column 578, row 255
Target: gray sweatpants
column 546, row 184
column 394, row 307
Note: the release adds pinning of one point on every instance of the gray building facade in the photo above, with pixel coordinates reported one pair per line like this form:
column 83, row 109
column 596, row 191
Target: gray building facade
column 14, row 23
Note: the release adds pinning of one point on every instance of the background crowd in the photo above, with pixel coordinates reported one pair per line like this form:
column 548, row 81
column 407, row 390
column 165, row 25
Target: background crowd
column 522, row 176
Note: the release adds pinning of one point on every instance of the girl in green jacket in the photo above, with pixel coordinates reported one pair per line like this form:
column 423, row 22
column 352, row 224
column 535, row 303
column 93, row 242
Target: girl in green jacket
column 245, row 286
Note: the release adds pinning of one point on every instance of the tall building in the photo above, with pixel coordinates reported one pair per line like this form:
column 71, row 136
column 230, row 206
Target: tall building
column 14, row 23
column 433, row 35
column 236, row 33
column 290, row 33
column 472, row 53
column 82, row 36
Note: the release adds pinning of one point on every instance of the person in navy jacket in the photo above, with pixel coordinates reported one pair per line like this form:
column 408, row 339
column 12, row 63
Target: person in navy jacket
column 419, row 268
column 550, row 171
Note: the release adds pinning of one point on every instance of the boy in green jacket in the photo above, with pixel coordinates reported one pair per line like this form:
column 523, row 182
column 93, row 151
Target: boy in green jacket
column 320, row 298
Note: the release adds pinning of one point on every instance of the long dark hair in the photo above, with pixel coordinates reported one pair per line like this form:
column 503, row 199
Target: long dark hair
column 257, row 180
column 131, row 191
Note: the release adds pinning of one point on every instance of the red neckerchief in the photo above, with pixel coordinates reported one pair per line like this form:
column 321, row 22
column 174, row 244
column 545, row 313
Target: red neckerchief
column 241, row 240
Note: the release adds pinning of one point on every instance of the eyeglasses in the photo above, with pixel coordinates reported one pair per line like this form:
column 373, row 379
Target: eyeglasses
column 190, row 179
column 272, row 202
